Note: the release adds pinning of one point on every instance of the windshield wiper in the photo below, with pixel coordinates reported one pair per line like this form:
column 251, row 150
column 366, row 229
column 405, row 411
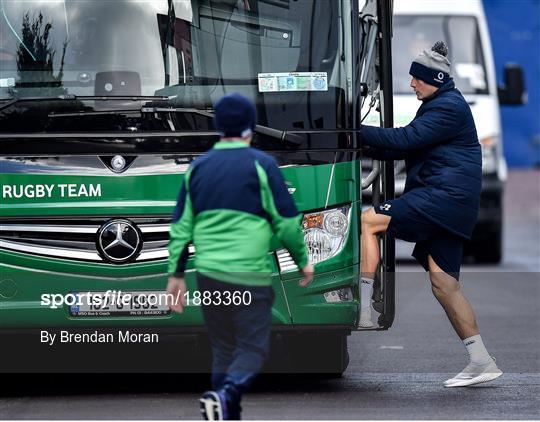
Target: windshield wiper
column 205, row 113
column 282, row 135
column 71, row 97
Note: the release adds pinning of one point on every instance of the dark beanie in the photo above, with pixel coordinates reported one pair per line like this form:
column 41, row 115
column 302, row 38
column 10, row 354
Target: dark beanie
column 234, row 116
column 432, row 66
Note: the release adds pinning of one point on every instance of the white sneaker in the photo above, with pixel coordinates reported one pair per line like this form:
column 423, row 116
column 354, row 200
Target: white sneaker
column 365, row 318
column 475, row 374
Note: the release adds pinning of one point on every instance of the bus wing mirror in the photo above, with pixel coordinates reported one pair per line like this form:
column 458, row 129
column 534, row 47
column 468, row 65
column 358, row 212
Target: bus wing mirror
column 513, row 91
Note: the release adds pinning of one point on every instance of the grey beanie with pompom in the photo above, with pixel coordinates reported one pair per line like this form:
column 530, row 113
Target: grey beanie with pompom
column 432, row 66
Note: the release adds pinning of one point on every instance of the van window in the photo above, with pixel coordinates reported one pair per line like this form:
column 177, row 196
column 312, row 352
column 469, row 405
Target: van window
column 413, row 34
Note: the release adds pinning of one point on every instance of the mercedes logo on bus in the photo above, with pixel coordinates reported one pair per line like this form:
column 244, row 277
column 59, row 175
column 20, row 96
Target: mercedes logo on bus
column 118, row 163
column 119, row 241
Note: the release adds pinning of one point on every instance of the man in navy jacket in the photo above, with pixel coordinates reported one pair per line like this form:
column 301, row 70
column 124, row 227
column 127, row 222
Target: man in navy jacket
column 439, row 206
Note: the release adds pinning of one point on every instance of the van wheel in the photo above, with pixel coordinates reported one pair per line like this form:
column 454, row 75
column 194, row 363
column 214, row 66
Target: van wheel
column 488, row 248
column 489, row 251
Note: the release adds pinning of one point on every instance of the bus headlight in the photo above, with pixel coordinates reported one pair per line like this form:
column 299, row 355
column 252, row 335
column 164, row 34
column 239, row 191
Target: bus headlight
column 325, row 232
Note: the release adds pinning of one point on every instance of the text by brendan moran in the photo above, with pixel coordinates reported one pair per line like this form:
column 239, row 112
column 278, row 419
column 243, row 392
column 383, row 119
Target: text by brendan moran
column 121, row 336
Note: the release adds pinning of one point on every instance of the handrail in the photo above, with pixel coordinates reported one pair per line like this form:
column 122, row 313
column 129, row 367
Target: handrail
column 372, row 176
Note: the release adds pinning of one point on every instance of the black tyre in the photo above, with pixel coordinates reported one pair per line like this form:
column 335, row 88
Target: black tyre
column 486, row 246
column 490, row 249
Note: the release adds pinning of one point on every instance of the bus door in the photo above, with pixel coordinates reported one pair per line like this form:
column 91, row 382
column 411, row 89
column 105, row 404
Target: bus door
column 375, row 31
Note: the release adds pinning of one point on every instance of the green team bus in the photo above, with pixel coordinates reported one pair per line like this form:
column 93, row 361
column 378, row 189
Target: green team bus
column 103, row 105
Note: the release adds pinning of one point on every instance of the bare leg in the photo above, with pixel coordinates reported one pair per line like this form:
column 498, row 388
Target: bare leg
column 481, row 368
column 457, row 307
column 372, row 224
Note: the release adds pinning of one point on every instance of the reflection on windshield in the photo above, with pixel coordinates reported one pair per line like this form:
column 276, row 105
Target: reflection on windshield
column 80, row 45
column 413, row 34
column 77, row 40
column 195, row 50
column 35, row 58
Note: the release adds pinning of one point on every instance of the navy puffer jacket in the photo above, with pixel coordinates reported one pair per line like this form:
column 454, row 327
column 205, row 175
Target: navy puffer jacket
column 442, row 156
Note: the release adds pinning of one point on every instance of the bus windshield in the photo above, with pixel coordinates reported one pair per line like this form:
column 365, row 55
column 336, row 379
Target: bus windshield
column 286, row 55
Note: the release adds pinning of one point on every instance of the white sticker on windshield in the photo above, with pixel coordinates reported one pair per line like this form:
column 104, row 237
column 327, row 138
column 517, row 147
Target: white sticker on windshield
column 294, row 81
column 474, row 72
column 7, row 82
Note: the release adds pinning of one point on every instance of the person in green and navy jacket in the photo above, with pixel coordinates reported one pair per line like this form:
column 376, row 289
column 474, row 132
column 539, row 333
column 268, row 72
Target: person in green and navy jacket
column 232, row 202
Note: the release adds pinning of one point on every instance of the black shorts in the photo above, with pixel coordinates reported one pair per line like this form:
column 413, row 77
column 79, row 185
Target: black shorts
column 407, row 224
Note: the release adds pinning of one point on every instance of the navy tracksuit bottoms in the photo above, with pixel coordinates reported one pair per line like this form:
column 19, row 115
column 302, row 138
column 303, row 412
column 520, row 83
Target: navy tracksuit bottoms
column 239, row 334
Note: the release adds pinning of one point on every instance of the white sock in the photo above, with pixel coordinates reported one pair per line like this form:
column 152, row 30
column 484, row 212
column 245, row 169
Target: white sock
column 478, row 353
column 366, row 291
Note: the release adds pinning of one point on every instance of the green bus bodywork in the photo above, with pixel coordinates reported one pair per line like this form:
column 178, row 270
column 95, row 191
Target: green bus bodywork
column 31, row 276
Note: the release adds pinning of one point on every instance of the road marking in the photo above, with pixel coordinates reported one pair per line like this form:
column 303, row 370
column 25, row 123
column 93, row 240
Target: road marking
column 392, row 347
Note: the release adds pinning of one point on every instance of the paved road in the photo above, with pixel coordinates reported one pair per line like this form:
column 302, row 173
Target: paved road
column 392, row 375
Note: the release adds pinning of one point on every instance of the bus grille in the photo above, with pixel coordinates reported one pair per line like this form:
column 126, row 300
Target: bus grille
column 285, row 261
column 77, row 239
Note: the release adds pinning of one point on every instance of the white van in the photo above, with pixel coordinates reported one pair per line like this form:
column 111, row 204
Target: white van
column 462, row 26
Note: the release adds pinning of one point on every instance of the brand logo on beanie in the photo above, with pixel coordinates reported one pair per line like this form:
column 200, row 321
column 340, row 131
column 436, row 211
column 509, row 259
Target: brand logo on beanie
column 440, row 77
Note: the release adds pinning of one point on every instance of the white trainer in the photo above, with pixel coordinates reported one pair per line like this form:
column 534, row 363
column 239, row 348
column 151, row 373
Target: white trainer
column 365, row 318
column 475, row 374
